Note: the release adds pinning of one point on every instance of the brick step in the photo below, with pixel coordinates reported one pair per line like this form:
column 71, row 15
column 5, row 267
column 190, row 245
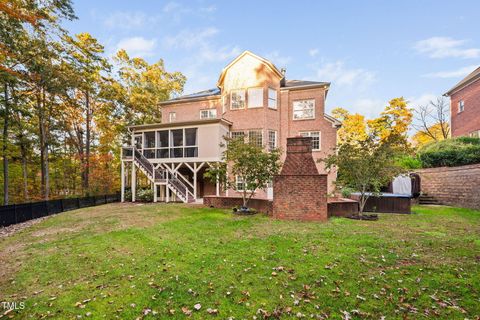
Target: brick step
column 429, row 203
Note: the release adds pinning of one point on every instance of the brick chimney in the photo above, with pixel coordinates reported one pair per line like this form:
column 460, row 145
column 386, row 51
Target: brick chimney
column 299, row 160
column 300, row 192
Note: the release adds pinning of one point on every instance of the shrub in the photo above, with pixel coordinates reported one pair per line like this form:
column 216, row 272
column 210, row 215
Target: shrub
column 145, row 195
column 409, row 162
column 450, row 153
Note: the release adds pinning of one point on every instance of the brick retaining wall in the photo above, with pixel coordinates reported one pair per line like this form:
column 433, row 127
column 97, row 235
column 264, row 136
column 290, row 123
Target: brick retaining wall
column 455, row 186
column 262, row 205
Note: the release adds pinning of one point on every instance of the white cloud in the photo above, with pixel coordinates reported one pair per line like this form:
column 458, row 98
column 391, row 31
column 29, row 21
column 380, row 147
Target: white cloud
column 369, row 107
column 422, row 100
column 203, row 52
column 177, row 11
column 313, row 52
column 339, row 74
column 278, row 59
column 461, row 72
column 126, row 20
column 137, row 46
column 172, row 6
column 188, row 39
column 445, row 47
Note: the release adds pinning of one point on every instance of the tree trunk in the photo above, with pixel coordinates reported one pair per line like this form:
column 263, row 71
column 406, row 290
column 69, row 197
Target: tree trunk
column 41, row 104
column 4, row 147
column 23, row 151
column 87, row 142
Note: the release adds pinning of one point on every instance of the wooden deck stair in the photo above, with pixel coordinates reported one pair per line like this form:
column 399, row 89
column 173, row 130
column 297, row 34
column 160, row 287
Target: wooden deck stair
column 162, row 176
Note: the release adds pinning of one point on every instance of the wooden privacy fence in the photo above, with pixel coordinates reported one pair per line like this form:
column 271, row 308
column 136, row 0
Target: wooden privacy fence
column 17, row 213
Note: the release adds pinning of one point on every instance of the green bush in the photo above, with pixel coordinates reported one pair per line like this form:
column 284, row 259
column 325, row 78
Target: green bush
column 145, row 195
column 450, row 153
column 409, row 162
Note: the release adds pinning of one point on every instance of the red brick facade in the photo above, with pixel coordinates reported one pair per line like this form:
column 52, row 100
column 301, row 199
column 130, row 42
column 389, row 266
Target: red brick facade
column 250, row 71
column 300, row 192
column 456, row 186
column 466, row 122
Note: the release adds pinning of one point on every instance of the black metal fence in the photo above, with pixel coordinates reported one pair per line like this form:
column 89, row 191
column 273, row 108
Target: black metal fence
column 17, row 213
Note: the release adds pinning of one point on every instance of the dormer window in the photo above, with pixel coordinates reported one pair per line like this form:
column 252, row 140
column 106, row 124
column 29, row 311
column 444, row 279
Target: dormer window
column 237, row 99
column 461, row 106
column 255, row 97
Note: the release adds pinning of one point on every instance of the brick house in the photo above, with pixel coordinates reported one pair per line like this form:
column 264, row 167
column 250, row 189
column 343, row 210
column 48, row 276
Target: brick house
column 252, row 99
column 465, row 106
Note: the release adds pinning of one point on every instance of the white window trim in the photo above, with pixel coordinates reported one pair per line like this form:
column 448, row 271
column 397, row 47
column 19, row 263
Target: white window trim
column 170, row 116
column 255, row 130
column 276, row 98
column 236, row 184
column 319, row 138
column 300, row 119
column 276, row 139
column 209, row 111
column 248, row 98
column 244, row 101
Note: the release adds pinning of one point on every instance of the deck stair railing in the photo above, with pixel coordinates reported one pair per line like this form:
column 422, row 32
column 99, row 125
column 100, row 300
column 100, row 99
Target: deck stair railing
column 173, row 180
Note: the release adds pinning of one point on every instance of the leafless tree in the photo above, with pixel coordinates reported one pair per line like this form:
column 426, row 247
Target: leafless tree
column 434, row 113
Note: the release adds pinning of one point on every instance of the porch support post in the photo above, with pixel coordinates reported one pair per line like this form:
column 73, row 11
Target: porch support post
column 134, row 182
column 217, row 185
column 154, row 192
column 195, row 181
column 122, row 189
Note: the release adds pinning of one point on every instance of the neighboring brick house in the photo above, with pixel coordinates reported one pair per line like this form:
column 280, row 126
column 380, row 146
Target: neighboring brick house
column 252, row 99
column 465, row 106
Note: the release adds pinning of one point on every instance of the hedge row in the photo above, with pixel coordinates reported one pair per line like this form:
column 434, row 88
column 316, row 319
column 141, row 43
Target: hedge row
column 450, row 153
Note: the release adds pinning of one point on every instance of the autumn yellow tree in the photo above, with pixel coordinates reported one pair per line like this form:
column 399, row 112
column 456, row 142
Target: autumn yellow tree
column 435, row 133
column 354, row 126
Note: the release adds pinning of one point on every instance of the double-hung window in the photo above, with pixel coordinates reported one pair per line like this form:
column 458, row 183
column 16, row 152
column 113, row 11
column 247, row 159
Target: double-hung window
column 255, row 137
column 272, row 98
column 237, row 135
column 255, row 97
column 461, row 106
column 208, row 114
column 304, row 109
column 239, row 183
column 316, row 139
column 172, row 117
column 237, row 99
column 272, row 140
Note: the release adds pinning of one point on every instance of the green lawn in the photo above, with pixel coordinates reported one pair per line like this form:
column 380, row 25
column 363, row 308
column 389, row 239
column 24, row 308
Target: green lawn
column 145, row 261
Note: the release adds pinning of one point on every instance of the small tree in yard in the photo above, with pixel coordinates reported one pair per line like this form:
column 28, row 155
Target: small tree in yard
column 250, row 165
column 365, row 166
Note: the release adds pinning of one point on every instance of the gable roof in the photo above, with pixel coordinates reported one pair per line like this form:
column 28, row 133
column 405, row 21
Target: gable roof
column 473, row 76
column 269, row 64
column 302, row 84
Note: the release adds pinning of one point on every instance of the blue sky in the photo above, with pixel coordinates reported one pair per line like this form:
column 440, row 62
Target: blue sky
column 371, row 51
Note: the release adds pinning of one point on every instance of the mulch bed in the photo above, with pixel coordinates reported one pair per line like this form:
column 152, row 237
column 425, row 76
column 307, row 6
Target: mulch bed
column 368, row 217
column 14, row 228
